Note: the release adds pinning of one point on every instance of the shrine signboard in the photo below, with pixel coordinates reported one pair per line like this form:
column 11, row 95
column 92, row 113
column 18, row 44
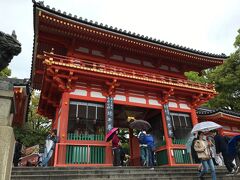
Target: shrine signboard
column 109, row 114
column 168, row 120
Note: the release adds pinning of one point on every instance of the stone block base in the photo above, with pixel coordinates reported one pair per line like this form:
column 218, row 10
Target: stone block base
column 7, row 141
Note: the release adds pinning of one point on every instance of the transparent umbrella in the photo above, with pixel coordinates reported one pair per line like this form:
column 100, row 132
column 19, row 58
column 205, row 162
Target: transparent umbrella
column 205, row 126
column 189, row 142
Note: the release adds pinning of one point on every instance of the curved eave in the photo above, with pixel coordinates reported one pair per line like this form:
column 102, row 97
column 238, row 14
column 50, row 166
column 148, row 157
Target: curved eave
column 220, row 116
column 202, row 111
column 133, row 36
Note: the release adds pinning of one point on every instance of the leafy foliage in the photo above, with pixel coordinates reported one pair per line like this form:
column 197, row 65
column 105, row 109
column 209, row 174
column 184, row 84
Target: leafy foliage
column 36, row 128
column 237, row 40
column 227, row 81
column 194, row 76
column 5, row 72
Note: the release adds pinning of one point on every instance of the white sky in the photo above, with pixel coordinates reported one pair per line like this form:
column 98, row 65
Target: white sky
column 207, row 25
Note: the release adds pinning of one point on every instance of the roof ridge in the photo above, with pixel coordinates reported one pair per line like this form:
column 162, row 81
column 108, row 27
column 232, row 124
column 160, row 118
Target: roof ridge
column 202, row 111
column 125, row 32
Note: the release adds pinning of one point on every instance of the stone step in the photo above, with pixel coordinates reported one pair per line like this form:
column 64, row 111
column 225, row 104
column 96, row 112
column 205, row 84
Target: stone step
column 159, row 170
column 118, row 177
column 108, row 168
column 59, row 173
column 99, row 172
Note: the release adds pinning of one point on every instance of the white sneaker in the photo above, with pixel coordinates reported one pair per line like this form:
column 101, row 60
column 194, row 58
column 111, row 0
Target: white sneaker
column 237, row 169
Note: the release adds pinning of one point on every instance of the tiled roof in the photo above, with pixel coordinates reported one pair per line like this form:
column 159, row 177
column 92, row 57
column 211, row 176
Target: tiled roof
column 41, row 5
column 21, row 82
column 17, row 82
column 207, row 111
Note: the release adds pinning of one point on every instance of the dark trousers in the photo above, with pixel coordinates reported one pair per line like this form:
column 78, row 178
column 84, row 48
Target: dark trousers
column 15, row 161
column 228, row 162
column 150, row 158
column 116, row 156
column 143, row 155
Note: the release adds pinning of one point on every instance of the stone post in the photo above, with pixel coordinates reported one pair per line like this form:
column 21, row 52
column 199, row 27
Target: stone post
column 7, row 139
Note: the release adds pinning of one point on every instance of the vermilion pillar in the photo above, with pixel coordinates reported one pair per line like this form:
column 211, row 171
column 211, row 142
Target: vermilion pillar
column 168, row 140
column 64, row 117
column 63, row 120
column 194, row 117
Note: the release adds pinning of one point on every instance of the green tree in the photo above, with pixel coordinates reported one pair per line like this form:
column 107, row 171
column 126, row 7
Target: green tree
column 196, row 77
column 5, row 72
column 36, row 128
column 227, row 80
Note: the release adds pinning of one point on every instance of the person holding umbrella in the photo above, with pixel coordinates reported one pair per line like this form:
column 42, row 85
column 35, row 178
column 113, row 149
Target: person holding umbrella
column 143, row 147
column 203, row 152
column 143, row 126
column 150, row 149
column 116, row 147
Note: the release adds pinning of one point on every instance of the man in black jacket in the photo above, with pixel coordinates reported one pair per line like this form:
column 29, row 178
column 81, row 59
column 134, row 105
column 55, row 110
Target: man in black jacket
column 222, row 147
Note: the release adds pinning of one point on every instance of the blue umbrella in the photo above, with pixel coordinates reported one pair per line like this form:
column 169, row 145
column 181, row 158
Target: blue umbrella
column 232, row 145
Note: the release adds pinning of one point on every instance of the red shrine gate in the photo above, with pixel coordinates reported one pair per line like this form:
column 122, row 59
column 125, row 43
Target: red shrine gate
column 79, row 66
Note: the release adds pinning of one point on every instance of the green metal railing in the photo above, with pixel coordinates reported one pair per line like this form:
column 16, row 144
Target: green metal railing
column 85, row 154
column 179, row 141
column 97, row 155
column 89, row 137
column 161, row 157
column 181, row 156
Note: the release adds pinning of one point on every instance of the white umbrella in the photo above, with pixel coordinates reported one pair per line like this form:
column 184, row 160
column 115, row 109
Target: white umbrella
column 205, row 126
column 189, row 142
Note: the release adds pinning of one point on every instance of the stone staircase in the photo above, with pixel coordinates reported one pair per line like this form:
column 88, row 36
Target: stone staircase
column 115, row 173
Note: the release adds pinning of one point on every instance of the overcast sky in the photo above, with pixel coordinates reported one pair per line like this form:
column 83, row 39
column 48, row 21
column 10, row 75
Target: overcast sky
column 207, row 25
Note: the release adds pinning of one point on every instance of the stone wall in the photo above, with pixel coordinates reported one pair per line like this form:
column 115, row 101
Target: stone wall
column 7, row 139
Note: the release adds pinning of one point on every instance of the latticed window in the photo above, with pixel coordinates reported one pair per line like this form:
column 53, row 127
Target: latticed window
column 182, row 124
column 86, row 118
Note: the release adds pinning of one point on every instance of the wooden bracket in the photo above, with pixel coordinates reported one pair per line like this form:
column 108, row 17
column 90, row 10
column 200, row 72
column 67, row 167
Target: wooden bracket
column 166, row 95
column 111, row 87
column 197, row 99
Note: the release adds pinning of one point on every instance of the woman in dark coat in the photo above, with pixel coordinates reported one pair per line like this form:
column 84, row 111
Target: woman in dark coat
column 17, row 152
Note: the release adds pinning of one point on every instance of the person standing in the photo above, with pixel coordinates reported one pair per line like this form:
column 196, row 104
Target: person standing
column 211, row 143
column 150, row 150
column 194, row 154
column 237, row 155
column 116, row 147
column 17, row 152
column 143, row 147
column 222, row 147
column 203, row 152
column 51, row 141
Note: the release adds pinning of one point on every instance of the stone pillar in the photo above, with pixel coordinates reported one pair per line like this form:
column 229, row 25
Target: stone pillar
column 7, row 138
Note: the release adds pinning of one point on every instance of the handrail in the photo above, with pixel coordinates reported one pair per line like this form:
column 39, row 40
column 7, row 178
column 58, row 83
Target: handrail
column 124, row 72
